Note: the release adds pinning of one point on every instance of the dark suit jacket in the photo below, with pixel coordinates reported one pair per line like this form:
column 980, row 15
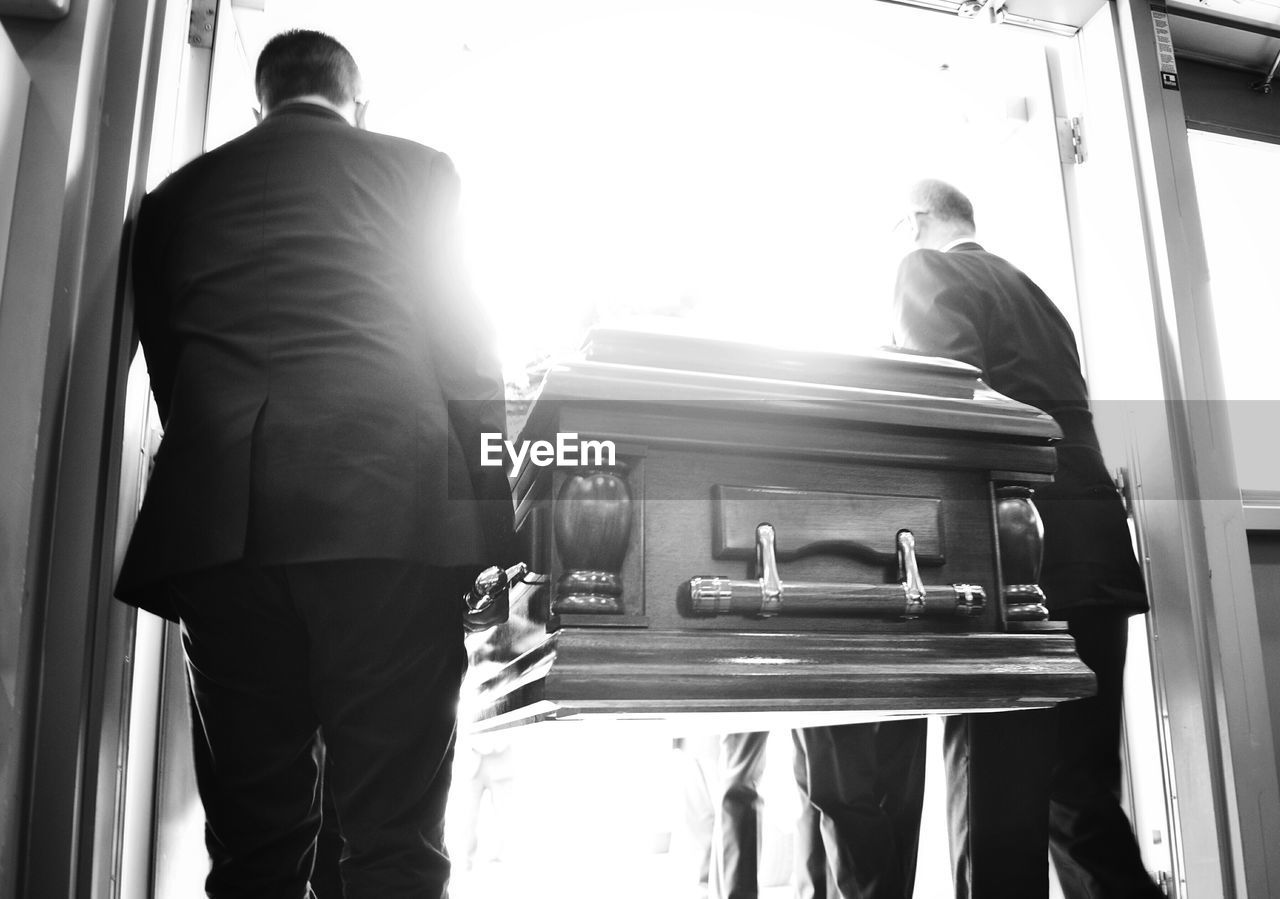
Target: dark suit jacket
column 971, row 305
column 321, row 370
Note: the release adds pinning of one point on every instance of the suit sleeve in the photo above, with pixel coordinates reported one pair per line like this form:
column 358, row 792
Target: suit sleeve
column 150, row 306
column 464, row 351
column 934, row 311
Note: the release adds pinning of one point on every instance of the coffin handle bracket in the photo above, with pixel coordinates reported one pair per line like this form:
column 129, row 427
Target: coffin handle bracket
column 769, row 596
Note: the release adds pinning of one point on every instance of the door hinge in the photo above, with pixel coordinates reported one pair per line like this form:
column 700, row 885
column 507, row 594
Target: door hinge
column 1124, row 486
column 1070, row 140
column 204, row 18
column 990, row 11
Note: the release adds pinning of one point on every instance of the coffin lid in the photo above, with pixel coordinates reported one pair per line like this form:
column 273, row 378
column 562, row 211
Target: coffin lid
column 884, row 387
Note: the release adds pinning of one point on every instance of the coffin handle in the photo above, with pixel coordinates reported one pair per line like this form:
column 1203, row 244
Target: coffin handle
column 909, row 574
column 769, row 595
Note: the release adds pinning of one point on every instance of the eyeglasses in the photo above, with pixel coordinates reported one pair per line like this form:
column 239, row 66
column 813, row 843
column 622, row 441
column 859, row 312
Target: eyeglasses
column 906, row 220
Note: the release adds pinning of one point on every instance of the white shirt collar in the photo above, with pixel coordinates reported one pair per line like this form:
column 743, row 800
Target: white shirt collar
column 948, row 247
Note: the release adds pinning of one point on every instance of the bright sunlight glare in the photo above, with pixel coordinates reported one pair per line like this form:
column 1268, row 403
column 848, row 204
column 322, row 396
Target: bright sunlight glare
column 733, row 166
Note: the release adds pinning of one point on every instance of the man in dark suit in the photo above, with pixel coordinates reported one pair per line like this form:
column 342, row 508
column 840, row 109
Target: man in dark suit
column 317, row 507
column 1019, row 780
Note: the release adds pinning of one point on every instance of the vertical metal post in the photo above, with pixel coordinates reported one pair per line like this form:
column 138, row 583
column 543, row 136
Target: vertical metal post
column 1227, row 796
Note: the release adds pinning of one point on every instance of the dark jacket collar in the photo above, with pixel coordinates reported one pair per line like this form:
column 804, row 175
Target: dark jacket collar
column 966, row 245
column 301, row 107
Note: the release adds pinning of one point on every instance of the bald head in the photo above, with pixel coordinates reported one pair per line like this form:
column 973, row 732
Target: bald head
column 939, row 214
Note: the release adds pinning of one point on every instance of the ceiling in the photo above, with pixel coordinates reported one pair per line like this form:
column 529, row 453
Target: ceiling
column 1242, row 34
column 1238, row 33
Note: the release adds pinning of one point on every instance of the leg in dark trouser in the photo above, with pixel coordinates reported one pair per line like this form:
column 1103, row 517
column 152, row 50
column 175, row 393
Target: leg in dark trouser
column 326, row 876
column 1092, row 842
column 900, row 754
column 997, row 797
column 735, row 844
column 389, row 716
column 372, row 651
column 811, row 878
column 863, row 799
column 255, row 733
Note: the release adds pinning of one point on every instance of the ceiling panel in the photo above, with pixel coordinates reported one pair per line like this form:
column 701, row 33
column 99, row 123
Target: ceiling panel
column 1063, row 12
column 1242, row 33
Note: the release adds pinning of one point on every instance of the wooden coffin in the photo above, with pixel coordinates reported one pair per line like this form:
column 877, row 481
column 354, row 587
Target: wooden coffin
column 657, row 593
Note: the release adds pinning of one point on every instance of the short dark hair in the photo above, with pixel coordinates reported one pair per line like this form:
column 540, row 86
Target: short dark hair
column 295, row 63
column 943, row 200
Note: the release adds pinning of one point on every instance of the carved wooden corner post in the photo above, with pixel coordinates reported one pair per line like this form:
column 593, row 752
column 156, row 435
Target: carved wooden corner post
column 1021, row 535
column 592, row 521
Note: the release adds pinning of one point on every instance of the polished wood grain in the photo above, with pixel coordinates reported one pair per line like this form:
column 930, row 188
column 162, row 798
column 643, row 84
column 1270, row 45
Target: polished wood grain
column 1020, row 538
column 680, row 513
column 984, row 413
column 810, row 522
column 875, row 370
column 837, row 452
column 672, row 674
column 742, row 428
column 593, row 517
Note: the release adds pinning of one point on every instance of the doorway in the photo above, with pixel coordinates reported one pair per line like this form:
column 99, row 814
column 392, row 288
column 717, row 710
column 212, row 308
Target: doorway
column 730, row 167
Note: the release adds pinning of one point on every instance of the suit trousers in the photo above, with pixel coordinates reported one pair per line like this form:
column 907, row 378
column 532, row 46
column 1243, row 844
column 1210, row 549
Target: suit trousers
column 1024, row 784
column 367, row 653
column 1092, row 843
column 735, row 836
column 326, row 874
column 863, row 788
column 998, row 801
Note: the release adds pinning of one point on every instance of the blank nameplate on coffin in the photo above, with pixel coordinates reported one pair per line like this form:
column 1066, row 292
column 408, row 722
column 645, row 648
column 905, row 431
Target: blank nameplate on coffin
column 783, row 536
column 816, row 521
